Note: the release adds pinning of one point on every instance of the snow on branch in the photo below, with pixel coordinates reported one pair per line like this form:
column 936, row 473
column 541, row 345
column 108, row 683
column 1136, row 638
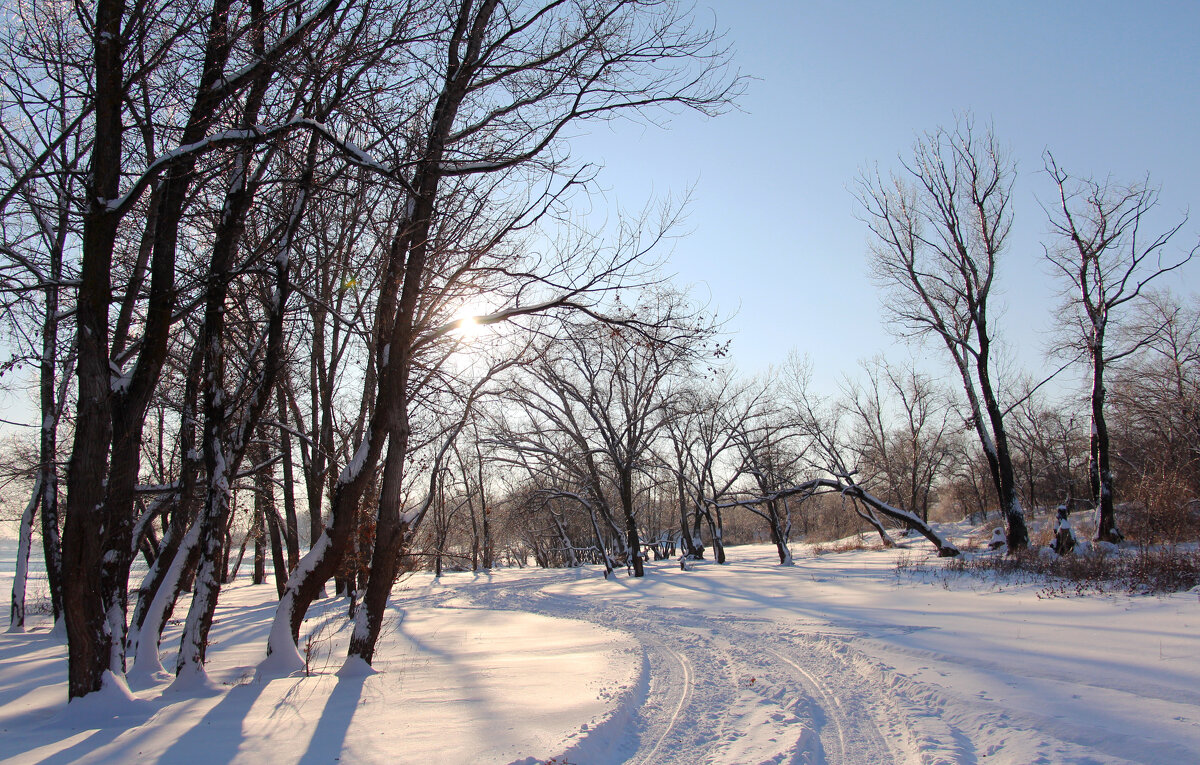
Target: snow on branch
column 945, row 548
column 251, row 135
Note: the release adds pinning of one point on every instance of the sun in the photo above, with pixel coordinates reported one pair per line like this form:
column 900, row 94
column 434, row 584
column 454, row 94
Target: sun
column 469, row 326
column 465, row 320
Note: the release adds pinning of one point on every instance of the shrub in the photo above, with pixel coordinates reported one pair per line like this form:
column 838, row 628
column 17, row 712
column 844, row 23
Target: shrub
column 1141, row 571
column 1161, row 508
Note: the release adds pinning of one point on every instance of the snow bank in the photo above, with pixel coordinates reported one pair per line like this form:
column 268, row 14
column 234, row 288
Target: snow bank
column 450, row 685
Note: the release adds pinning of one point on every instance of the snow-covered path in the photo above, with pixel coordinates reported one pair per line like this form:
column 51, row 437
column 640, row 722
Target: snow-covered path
column 727, row 689
column 842, row 658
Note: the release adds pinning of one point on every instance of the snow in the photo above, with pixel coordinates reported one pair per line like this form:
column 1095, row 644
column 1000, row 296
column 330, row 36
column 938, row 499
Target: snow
column 355, row 466
column 442, row 671
column 843, row 657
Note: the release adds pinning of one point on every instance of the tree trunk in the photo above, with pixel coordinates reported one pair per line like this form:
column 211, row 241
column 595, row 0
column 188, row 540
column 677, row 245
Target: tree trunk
column 178, row 571
column 277, row 560
column 264, row 507
column 631, row 530
column 405, row 278
column 89, row 635
column 260, row 549
column 777, row 535
column 945, row 548
column 568, row 545
column 184, row 505
column 686, row 536
column 316, row 568
column 716, row 531
column 488, row 552
column 870, row 518
column 291, row 531
column 1106, row 524
column 1010, row 501
column 48, row 443
column 601, row 548
column 390, row 530
column 225, row 444
column 16, row 613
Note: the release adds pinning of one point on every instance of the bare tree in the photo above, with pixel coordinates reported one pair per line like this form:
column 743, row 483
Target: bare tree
column 772, row 452
column 607, row 391
column 901, row 432
column 939, row 233
column 189, row 174
column 1156, row 396
column 38, row 226
column 700, row 435
column 822, row 424
column 176, row 93
column 1050, row 442
column 1106, row 261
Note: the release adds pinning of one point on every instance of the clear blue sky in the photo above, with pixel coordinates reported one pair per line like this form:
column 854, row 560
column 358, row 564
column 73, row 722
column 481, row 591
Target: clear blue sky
column 1111, row 88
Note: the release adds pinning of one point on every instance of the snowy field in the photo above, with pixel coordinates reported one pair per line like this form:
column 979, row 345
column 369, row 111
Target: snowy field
column 839, row 659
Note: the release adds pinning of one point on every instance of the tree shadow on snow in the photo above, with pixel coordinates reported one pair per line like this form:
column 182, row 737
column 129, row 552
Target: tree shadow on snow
column 327, row 740
column 105, row 729
column 216, row 737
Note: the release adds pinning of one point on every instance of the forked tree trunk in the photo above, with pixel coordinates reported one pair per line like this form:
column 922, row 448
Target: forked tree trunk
column 775, row 522
column 178, row 573
column 277, row 560
column 631, row 530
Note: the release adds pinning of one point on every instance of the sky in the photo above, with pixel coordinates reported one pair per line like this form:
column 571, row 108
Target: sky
column 1113, row 89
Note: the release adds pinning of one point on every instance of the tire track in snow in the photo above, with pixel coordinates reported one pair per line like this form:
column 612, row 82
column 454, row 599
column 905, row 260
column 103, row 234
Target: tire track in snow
column 685, row 695
column 727, row 689
column 831, row 703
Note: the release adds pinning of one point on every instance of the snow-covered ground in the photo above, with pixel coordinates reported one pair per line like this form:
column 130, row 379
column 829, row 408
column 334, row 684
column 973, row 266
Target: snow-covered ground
column 837, row 659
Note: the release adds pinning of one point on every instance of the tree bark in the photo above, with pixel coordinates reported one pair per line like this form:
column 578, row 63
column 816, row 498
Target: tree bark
column 631, row 530
column 90, row 528
column 777, row 535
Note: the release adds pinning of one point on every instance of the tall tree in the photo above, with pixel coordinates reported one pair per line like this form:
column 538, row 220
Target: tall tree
column 700, row 435
column 939, row 232
column 41, row 159
column 1106, row 260
column 164, row 79
column 607, row 390
column 772, row 457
